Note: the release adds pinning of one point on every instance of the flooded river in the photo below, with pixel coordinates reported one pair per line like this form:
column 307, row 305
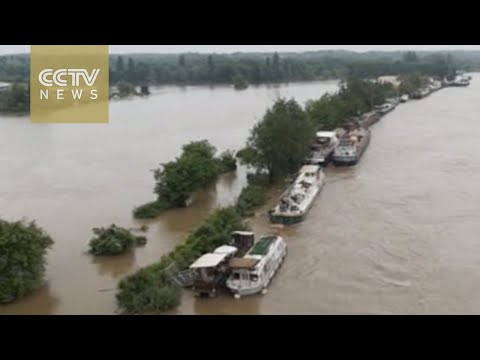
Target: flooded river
column 397, row 234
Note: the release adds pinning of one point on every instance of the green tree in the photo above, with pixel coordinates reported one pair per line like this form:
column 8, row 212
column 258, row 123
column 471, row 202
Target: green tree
column 410, row 56
column 177, row 180
column 196, row 168
column 23, row 248
column 354, row 98
column 211, row 66
column 120, row 66
column 16, row 98
column 181, row 60
column 276, row 67
column 240, row 82
column 131, row 71
column 268, row 70
column 113, row 241
column 281, row 141
column 125, row 89
column 411, row 83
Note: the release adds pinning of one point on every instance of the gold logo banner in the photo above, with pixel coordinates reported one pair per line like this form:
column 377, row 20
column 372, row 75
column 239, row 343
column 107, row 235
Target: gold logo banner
column 69, row 84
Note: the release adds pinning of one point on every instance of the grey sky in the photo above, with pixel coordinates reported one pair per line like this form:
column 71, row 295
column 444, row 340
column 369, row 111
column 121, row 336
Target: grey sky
column 14, row 49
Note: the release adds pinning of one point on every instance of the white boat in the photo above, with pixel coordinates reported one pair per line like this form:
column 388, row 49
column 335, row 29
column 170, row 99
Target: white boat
column 420, row 94
column 394, row 101
column 322, row 149
column 459, row 81
column 435, row 86
column 404, row 98
column 253, row 273
column 298, row 199
column 386, row 108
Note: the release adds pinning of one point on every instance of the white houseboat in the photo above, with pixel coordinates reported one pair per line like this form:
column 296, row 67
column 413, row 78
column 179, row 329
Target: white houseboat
column 295, row 203
column 253, row 273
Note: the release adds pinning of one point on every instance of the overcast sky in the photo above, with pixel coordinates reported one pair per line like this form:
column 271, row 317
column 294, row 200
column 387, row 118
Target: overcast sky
column 15, row 49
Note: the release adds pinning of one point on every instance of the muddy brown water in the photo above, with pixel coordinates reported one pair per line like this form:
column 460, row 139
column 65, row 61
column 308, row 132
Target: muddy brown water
column 397, row 234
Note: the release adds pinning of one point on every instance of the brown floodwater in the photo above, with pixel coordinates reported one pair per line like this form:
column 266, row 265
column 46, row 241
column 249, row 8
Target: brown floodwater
column 397, row 234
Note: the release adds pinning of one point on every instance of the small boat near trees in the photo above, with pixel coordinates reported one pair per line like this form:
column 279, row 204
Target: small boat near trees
column 420, row 94
column 295, row 203
column 322, row 149
column 253, row 273
column 386, row 108
column 210, row 271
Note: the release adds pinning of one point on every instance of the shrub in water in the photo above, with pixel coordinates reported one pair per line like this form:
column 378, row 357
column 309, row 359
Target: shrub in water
column 113, row 241
column 22, row 258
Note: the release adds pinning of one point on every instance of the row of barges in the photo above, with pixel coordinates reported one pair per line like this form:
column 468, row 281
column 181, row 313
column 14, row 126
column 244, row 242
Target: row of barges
column 246, row 266
column 343, row 147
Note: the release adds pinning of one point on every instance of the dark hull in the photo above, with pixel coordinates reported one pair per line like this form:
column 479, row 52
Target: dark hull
column 372, row 120
column 286, row 220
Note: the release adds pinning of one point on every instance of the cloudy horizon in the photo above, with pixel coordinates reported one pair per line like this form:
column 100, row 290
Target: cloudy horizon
column 174, row 49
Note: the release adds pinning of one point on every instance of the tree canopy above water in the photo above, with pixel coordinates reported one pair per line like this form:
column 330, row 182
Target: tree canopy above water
column 23, row 248
column 281, row 141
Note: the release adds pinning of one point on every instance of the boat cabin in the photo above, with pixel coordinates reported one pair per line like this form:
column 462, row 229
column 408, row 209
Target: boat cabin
column 255, row 265
column 242, row 241
column 325, row 137
column 211, row 270
column 243, row 270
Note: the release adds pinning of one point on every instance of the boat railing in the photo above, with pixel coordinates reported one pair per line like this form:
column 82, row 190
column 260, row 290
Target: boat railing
column 181, row 278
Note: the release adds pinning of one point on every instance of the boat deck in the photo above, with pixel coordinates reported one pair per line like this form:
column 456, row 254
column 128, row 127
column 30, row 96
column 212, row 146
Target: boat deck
column 262, row 246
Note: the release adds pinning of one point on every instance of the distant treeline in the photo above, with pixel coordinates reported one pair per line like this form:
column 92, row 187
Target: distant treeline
column 255, row 68
column 130, row 72
column 15, row 99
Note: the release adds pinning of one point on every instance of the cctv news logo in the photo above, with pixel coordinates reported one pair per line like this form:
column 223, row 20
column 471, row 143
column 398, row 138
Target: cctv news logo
column 73, row 78
column 69, row 84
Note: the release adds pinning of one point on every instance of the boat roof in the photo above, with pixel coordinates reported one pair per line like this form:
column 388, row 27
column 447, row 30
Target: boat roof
column 309, row 168
column 208, row 261
column 243, row 263
column 229, row 250
column 243, row 233
column 262, row 247
column 326, row 134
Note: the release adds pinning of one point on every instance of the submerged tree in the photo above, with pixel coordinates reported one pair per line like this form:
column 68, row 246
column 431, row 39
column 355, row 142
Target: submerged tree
column 114, row 241
column 177, row 180
column 23, row 248
column 240, row 82
column 196, row 168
